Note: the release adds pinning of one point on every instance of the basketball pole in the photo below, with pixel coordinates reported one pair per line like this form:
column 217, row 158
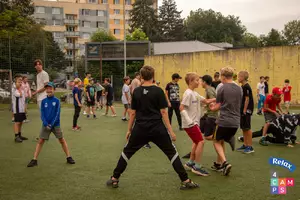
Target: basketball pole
column 124, row 23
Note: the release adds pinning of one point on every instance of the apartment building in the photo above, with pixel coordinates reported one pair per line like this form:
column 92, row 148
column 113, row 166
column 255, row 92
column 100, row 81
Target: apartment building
column 73, row 21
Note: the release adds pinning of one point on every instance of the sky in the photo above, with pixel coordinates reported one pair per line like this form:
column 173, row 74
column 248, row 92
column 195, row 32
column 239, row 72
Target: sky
column 259, row 16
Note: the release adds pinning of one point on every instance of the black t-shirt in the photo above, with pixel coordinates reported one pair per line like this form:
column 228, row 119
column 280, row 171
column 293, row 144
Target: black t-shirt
column 147, row 101
column 173, row 92
column 266, row 88
column 91, row 90
column 110, row 91
column 215, row 84
column 247, row 92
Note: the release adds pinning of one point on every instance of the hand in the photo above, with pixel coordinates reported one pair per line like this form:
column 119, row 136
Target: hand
column 244, row 112
column 48, row 127
column 173, row 136
column 277, row 114
column 290, row 146
column 297, row 142
column 80, row 105
column 128, row 135
column 34, row 93
column 89, row 100
column 169, row 105
column 211, row 106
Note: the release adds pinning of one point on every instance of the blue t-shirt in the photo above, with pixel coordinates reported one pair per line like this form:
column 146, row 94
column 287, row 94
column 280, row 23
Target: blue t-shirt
column 77, row 91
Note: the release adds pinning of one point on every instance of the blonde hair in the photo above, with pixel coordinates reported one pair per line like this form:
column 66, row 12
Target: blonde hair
column 245, row 74
column 189, row 77
column 227, row 72
column 77, row 80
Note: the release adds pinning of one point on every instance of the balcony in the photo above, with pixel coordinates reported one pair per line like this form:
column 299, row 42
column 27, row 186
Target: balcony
column 70, row 57
column 71, row 46
column 72, row 34
column 71, row 22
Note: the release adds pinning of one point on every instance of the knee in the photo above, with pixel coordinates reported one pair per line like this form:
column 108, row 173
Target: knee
column 41, row 141
column 62, row 141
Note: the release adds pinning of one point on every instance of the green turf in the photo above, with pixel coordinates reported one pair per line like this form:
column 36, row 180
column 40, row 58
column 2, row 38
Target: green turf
column 149, row 175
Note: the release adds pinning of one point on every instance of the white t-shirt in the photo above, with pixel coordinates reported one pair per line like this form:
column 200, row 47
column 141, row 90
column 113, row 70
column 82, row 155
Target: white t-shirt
column 261, row 88
column 192, row 105
column 125, row 89
column 41, row 79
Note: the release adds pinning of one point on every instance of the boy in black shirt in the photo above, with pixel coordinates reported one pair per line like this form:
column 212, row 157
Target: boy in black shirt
column 246, row 112
column 109, row 93
column 91, row 95
column 151, row 123
column 217, row 80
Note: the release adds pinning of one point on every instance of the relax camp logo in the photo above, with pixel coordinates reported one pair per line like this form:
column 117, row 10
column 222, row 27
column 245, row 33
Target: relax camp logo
column 278, row 184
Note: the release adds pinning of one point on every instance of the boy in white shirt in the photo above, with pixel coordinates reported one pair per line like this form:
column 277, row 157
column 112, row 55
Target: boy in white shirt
column 190, row 110
column 261, row 95
column 126, row 99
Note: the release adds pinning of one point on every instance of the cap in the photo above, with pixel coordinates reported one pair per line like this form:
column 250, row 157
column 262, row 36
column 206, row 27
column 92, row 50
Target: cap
column 277, row 91
column 50, row 84
column 176, row 76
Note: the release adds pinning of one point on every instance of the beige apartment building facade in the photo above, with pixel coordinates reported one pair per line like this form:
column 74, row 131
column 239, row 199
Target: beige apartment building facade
column 73, row 21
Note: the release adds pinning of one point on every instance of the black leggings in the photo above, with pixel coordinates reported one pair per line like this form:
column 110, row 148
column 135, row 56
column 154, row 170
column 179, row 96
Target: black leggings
column 76, row 115
column 175, row 106
column 156, row 133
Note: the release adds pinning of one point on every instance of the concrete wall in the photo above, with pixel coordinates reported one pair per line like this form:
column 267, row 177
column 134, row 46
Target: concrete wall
column 279, row 63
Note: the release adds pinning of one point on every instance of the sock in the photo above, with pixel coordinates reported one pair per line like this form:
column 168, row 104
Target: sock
column 16, row 134
column 94, row 116
column 19, row 134
column 198, row 165
column 191, row 162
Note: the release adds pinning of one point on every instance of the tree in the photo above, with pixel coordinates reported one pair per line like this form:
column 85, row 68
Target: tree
column 102, row 36
column 291, row 32
column 25, row 7
column 137, row 35
column 144, row 16
column 274, row 38
column 170, row 22
column 210, row 26
column 250, row 40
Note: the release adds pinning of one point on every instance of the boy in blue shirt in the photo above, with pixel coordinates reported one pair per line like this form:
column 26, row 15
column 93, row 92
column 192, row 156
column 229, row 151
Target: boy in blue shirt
column 50, row 115
column 77, row 103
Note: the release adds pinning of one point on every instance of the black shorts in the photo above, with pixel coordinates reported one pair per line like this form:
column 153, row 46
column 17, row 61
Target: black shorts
column 109, row 102
column 99, row 95
column 208, row 126
column 91, row 103
column 225, row 133
column 127, row 106
column 20, row 117
column 245, row 122
column 269, row 116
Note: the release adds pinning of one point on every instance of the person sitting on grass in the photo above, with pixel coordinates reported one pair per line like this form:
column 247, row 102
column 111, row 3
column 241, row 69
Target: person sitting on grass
column 151, row 123
column 50, row 115
column 283, row 130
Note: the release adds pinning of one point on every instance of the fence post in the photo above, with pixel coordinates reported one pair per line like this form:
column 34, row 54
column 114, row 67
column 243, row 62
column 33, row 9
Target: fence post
column 44, row 51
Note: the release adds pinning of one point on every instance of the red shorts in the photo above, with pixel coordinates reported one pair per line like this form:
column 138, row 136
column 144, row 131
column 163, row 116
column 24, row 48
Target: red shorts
column 194, row 133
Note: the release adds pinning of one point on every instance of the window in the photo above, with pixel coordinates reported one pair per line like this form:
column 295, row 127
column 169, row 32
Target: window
column 116, row 21
column 100, row 24
column 55, row 11
column 86, row 24
column 86, row 35
column 117, row 11
column 40, row 20
column 71, row 17
column 128, row 2
column 56, row 34
column 127, row 12
column 69, row 40
column 40, row 9
column 70, row 52
column 127, row 21
column 70, row 28
column 56, row 22
column 100, row 13
column 85, row 12
column 117, row 31
column 104, row 1
column 92, row 1
column 116, row 1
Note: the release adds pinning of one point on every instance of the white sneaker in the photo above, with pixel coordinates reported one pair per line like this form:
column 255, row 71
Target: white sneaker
column 84, row 113
column 114, row 115
column 104, row 114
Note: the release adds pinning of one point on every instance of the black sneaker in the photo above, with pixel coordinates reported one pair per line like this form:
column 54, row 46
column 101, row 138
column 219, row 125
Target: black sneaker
column 147, row 146
column 181, row 129
column 187, row 155
column 232, row 143
column 32, row 163
column 226, row 168
column 70, row 160
column 189, row 185
column 216, row 167
column 113, row 183
column 18, row 139
column 95, row 117
column 23, row 138
column 124, row 119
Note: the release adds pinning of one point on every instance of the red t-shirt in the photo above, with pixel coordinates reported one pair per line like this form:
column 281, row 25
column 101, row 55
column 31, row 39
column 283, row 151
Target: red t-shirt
column 287, row 93
column 272, row 103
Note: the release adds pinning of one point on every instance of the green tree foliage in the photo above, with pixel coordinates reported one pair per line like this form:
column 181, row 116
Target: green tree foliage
column 102, row 36
column 210, row 26
column 274, row 38
column 291, row 32
column 170, row 22
column 144, row 16
column 250, row 40
column 137, row 35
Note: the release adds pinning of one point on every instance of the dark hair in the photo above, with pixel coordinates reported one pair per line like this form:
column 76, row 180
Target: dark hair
column 18, row 76
column 261, row 77
column 126, row 78
column 207, row 79
column 287, row 81
column 217, row 75
column 137, row 74
column 147, row 73
column 266, row 77
column 38, row 61
column 86, row 73
column 107, row 79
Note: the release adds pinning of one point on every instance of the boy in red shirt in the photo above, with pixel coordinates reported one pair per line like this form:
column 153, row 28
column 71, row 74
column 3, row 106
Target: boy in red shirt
column 272, row 102
column 287, row 94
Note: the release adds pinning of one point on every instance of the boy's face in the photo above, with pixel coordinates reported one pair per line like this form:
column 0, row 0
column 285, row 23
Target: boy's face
column 91, row 82
column 50, row 91
column 262, row 80
column 25, row 79
column 18, row 81
column 38, row 66
column 286, row 84
column 176, row 80
column 195, row 83
column 202, row 83
column 241, row 78
column 127, row 81
column 276, row 96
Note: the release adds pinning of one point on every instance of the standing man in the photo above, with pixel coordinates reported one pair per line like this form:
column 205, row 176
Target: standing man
column 42, row 78
column 86, row 83
column 217, row 80
column 136, row 82
column 172, row 96
column 267, row 85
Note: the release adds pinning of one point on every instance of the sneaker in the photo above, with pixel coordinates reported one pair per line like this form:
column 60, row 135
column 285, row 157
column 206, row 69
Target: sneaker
column 181, row 129
column 226, row 168
column 104, row 114
column 124, row 119
column 18, row 140
column 216, row 167
column 259, row 113
column 26, row 121
column 84, row 113
column 114, row 115
column 200, row 171
column 32, row 163
column 95, row 117
column 77, row 128
column 147, row 146
column 88, row 116
column 113, row 183
column 188, row 166
column 263, row 141
column 187, row 155
column 23, row 138
column 242, row 148
column 232, row 143
column 241, row 139
column 70, row 160
column 189, row 185
column 249, row 150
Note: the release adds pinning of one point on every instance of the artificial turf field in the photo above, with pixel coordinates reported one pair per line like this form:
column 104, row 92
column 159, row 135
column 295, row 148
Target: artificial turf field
column 149, row 175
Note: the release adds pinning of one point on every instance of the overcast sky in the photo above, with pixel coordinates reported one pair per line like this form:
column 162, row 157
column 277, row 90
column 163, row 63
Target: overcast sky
column 259, row 16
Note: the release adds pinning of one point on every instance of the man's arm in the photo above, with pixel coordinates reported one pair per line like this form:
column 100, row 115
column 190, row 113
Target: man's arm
column 208, row 101
column 246, row 104
column 266, row 108
column 77, row 99
column 166, row 120
column 167, row 97
column 279, row 108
